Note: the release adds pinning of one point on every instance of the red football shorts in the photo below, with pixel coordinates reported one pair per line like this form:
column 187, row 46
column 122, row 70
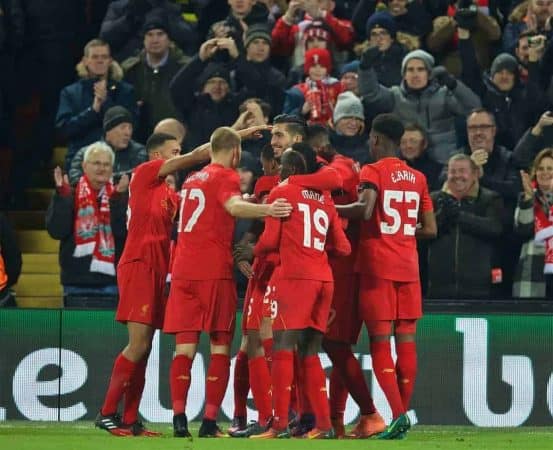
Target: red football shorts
column 300, row 304
column 253, row 304
column 201, row 305
column 141, row 294
column 344, row 323
column 381, row 299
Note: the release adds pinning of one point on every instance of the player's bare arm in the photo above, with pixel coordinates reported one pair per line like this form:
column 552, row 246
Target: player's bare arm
column 428, row 228
column 197, row 156
column 237, row 207
column 362, row 208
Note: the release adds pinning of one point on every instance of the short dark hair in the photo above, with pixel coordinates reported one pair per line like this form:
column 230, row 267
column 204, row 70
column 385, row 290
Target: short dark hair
column 481, row 110
column 294, row 125
column 309, row 156
column 414, row 126
column 294, row 159
column 267, row 152
column 390, row 126
column 316, row 131
column 156, row 140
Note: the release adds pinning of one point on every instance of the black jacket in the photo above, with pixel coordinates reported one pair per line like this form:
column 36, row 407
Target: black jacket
column 201, row 114
column 60, row 223
column 461, row 258
column 431, row 169
column 529, row 146
column 354, row 147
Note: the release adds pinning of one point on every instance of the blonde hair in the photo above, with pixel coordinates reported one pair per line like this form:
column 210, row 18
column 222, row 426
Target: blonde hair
column 463, row 157
column 545, row 153
column 224, row 139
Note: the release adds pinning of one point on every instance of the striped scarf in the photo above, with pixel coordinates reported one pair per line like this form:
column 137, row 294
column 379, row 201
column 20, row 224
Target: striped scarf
column 92, row 229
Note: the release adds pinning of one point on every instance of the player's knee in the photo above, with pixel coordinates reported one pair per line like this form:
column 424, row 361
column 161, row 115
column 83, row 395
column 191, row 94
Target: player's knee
column 405, row 329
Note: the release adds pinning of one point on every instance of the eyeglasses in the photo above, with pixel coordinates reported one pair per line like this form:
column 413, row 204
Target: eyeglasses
column 483, row 127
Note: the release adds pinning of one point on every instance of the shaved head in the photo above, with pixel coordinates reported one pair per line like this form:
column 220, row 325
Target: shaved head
column 173, row 127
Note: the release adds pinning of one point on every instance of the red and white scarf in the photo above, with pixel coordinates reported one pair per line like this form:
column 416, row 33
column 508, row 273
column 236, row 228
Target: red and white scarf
column 93, row 234
column 543, row 231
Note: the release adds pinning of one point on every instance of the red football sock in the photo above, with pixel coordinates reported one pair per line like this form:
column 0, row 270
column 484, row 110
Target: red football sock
column 179, row 380
column 216, row 384
column 121, row 375
column 345, row 362
column 134, row 394
column 241, row 384
column 385, row 373
column 338, row 395
column 282, row 376
column 268, row 349
column 406, row 368
column 315, row 388
column 261, row 388
column 303, row 401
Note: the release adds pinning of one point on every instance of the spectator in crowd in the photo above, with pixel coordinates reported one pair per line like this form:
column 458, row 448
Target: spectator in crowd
column 413, row 21
column 90, row 223
column 254, row 112
column 83, row 103
column 349, row 77
column 387, row 52
column 288, row 38
column 254, row 71
column 10, row 262
column 150, row 73
column 537, row 137
column 173, row 127
column 317, row 34
column 433, row 97
column 534, row 223
column 514, row 105
column 201, row 92
column 123, row 25
column 443, row 41
column 242, row 15
column 118, row 131
column 315, row 98
column 498, row 173
column 348, row 134
column 462, row 257
column 529, row 15
column 412, row 148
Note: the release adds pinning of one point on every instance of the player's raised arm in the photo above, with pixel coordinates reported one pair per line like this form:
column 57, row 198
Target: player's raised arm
column 197, row 156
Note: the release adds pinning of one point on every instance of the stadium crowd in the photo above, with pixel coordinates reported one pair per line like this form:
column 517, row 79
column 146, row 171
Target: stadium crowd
column 326, row 96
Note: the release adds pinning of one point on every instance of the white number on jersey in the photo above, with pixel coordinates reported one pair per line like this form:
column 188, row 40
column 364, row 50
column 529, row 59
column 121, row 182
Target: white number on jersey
column 409, row 197
column 193, row 194
column 319, row 220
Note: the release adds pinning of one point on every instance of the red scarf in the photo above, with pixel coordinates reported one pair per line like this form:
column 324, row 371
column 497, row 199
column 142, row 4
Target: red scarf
column 543, row 228
column 93, row 234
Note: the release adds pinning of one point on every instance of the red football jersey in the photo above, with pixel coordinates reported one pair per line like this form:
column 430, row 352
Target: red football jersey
column 263, row 186
column 150, row 214
column 348, row 170
column 301, row 238
column 388, row 247
column 205, row 230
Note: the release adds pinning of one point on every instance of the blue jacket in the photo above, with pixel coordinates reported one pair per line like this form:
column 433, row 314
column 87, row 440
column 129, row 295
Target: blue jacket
column 76, row 119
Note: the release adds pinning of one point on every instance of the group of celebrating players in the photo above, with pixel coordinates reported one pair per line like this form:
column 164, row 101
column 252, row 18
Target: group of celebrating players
column 336, row 250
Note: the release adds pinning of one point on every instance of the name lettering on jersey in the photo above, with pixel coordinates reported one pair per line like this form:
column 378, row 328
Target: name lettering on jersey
column 403, row 175
column 312, row 195
column 202, row 176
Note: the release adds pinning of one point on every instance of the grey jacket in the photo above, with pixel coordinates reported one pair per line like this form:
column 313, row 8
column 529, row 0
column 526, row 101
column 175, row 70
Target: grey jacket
column 435, row 108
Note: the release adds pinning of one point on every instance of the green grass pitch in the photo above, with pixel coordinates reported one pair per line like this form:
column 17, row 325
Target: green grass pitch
column 15, row 435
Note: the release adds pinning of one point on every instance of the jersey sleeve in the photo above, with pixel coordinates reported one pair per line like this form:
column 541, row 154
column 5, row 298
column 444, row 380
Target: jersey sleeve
column 337, row 241
column 229, row 187
column 146, row 174
column 325, row 179
column 369, row 178
column 269, row 240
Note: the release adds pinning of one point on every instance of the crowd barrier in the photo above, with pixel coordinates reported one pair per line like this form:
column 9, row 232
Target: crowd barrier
column 483, row 370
